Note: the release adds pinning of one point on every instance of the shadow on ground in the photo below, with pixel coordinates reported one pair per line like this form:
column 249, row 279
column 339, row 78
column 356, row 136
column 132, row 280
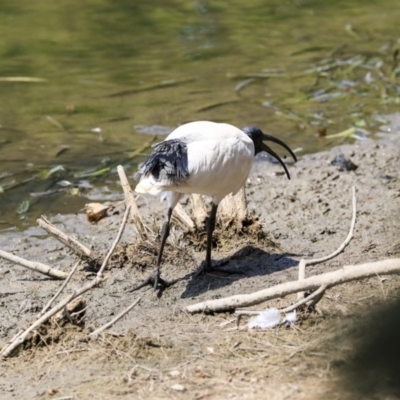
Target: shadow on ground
column 246, row 263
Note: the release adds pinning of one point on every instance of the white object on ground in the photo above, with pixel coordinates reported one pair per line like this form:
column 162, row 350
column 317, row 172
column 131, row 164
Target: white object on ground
column 266, row 319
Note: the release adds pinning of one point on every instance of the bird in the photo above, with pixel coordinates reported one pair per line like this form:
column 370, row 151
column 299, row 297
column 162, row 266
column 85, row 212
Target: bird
column 206, row 158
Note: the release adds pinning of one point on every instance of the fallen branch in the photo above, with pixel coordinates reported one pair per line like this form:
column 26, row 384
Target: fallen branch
column 34, row 265
column 95, row 333
column 69, row 241
column 9, row 349
column 130, row 202
column 346, row 274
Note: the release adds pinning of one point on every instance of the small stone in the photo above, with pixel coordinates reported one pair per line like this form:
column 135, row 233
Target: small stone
column 344, row 163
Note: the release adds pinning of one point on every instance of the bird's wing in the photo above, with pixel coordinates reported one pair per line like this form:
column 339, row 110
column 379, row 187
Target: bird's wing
column 168, row 164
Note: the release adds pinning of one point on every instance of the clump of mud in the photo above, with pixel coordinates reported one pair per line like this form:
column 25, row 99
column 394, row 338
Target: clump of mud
column 230, row 234
column 142, row 255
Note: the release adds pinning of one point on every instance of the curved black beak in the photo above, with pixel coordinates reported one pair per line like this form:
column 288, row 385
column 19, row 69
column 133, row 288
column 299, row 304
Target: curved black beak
column 273, row 154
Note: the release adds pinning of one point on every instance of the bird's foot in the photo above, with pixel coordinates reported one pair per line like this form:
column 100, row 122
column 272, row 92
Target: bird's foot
column 156, row 281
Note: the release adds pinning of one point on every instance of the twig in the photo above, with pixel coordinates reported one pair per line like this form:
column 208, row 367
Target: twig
column 180, row 213
column 247, row 312
column 346, row 274
column 117, row 239
column 69, row 241
column 34, row 265
column 95, row 333
column 316, row 298
column 303, row 263
column 65, row 283
column 313, row 296
column 8, row 350
column 130, row 201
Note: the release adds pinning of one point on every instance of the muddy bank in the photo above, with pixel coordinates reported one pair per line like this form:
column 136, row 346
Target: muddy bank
column 308, row 216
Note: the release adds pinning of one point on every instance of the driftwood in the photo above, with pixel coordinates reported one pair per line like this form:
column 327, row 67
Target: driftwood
column 68, row 241
column 130, row 201
column 34, row 266
column 347, row 274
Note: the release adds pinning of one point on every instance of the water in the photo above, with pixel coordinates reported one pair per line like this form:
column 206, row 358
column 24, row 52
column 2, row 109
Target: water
column 113, row 75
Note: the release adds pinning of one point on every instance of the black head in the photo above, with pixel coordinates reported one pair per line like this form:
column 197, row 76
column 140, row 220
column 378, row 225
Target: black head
column 258, row 138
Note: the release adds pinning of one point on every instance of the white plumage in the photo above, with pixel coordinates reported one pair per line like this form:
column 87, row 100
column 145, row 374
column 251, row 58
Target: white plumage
column 202, row 157
column 219, row 157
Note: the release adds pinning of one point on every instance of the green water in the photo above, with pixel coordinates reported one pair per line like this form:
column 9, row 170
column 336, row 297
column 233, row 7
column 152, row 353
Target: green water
column 105, row 69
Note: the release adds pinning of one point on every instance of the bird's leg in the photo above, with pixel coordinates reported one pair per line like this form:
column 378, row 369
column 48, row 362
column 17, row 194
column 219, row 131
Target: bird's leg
column 210, row 230
column 207, row 266
column 154, row 278
column 164, row 236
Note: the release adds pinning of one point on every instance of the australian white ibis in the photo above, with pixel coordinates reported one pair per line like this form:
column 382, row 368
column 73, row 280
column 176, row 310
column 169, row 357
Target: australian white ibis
column 202, row 157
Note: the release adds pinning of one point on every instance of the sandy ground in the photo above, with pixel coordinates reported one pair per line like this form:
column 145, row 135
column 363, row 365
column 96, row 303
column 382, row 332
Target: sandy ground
column 347, row 350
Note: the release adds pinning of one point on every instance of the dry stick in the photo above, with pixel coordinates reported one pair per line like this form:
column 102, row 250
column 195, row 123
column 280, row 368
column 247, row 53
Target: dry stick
column 180, row 213
column 313, row 296
column 47, row 306
column 130, row 201
column 70, row 242
column 8, row 350
column 346, row 274
column 11, row 340
column 303, row 263
column 95, row 333
column 34, row 265
column 114, row 245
